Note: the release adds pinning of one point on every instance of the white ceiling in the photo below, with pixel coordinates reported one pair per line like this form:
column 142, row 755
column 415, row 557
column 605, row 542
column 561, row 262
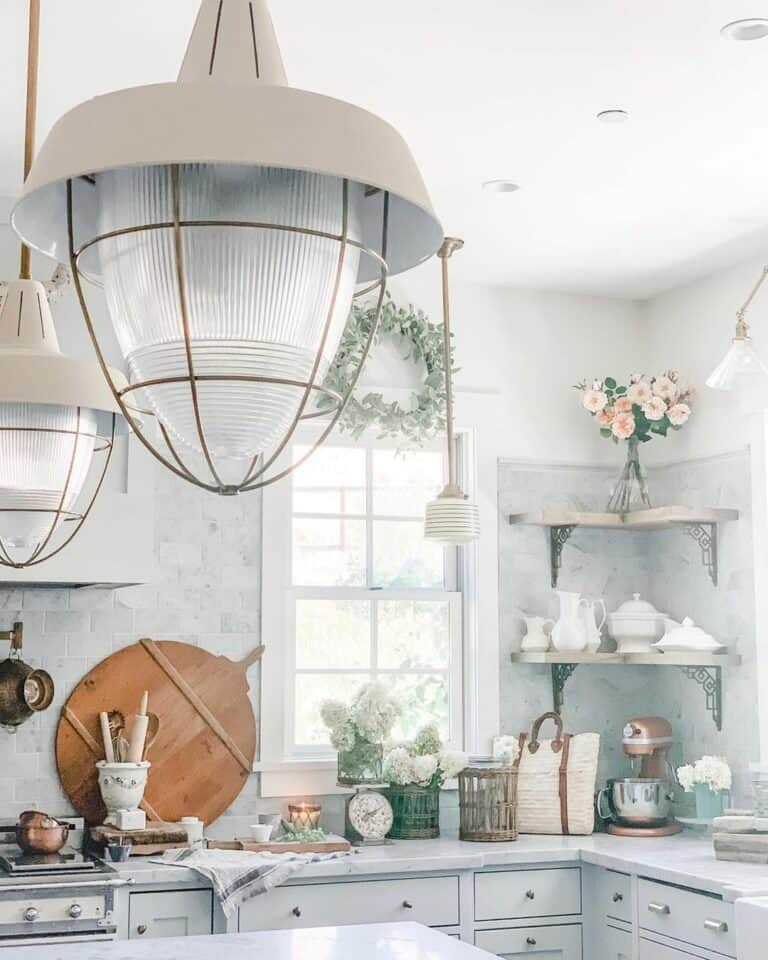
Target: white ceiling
column 489, row 89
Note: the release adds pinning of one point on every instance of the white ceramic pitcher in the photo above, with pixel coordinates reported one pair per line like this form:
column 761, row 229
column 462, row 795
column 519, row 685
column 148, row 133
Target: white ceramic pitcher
column 569, row 634
column 593, row 630
column 536, row 640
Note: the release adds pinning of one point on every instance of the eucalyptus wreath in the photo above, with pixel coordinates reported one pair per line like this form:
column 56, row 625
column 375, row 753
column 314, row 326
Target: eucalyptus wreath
column 424, row 419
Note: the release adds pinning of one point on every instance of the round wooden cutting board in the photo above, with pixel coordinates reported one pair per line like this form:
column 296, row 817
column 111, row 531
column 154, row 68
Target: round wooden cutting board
column 207, row 740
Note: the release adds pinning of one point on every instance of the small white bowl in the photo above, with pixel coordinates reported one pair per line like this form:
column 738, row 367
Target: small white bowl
column 261, row 832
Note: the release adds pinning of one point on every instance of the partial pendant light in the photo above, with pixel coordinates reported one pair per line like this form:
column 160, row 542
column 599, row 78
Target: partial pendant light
column 741, row 360
column 55, row 411
column 228, row 217
column 452, row 519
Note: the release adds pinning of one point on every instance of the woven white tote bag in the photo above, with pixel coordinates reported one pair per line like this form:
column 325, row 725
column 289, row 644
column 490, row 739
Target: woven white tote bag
column 556, row 780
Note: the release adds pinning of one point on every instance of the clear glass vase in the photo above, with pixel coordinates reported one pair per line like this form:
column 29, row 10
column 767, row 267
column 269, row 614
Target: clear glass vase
column 631, row 489
column 361, row 764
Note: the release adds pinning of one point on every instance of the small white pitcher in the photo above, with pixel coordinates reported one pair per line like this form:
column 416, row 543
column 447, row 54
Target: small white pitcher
column 536, row 639
column 593, row 630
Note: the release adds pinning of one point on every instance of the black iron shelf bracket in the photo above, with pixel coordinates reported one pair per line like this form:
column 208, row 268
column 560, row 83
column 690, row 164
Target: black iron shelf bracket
column 705, row 534
column 561, row 672
column 710, row 679
column 558, row 537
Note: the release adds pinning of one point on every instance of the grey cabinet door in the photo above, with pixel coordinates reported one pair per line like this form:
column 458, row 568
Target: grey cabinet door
column 179, row 913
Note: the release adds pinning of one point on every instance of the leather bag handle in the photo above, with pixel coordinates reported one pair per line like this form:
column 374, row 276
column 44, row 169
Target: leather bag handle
column 557, row 743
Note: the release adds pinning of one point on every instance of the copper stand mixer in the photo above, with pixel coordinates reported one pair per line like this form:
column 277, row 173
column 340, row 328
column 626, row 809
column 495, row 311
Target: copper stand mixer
column 639, row 806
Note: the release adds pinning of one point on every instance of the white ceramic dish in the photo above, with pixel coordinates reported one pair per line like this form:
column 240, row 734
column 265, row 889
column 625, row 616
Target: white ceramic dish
column 686, row 637
column 636, row 625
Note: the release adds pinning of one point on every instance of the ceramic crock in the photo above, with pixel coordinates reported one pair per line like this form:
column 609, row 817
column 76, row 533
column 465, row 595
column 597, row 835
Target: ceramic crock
column 122, row 785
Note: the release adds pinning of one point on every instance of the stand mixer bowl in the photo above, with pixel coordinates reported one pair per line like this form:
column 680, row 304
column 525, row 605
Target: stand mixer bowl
column 636, row 803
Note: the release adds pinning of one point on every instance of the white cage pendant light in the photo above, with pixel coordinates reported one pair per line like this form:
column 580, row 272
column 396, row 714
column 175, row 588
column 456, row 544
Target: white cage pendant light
column 56, row 412
column 229, row 218
column 741, row 360
column 452, row 519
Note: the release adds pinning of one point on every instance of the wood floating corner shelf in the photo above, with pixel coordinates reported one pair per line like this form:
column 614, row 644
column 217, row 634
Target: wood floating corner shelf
column 700, row 524
column 706, row 669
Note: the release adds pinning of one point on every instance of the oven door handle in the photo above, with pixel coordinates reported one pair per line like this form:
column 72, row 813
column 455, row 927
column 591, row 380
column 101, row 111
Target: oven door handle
column 60, row 884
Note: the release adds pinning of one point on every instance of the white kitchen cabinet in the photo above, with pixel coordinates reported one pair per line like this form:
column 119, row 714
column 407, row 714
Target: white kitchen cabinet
column 559, row 942
column 695, row 920
column 433, row 901
column 614, row 895
column 617, row 943
column 170, row 913
column 524, row 894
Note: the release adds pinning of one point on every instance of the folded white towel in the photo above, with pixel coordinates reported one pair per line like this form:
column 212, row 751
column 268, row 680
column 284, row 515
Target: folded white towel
column 238, row 875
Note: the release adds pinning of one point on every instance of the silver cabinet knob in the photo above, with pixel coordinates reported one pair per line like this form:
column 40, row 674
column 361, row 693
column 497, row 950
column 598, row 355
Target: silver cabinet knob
column 661, row 908
column 75, row 911
column 618, row 897
column 718, row 926
column 141, row 929
column 407, row 905
column 296, row 912
column 531, row 941
column 31, row 914
column 530, row 895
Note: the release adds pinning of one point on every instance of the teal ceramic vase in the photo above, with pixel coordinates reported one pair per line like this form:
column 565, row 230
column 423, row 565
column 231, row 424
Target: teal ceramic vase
column 709, row 803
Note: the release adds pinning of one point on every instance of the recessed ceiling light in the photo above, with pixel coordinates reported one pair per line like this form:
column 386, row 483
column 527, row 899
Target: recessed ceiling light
column 501, row 186
column 754, row 28
column 613, row 116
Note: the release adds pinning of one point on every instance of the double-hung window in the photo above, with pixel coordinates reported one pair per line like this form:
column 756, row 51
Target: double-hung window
column 353, row 592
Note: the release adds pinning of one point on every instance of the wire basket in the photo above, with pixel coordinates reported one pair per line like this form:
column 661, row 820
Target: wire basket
column 488, row 803
column 415, row 812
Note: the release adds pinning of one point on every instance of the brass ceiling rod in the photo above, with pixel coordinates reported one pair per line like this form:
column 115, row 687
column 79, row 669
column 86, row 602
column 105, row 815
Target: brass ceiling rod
column 33, row 58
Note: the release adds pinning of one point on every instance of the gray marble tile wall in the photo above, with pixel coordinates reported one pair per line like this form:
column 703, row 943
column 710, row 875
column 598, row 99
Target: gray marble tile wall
column 664, row 568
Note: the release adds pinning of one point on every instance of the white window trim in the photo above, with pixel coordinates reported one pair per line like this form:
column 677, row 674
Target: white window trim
column 283, row 774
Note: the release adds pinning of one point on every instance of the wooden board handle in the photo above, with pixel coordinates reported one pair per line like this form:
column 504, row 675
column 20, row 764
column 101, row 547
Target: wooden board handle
column 256, row 654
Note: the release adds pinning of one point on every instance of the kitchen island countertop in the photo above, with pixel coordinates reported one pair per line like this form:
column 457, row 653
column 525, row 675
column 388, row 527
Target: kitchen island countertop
column 374, row 941
column 686, row 860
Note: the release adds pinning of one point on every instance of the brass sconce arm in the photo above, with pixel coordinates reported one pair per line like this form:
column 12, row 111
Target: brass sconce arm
column 15, row 635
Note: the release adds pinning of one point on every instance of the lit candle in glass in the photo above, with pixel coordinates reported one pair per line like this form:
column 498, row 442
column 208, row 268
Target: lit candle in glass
column 304, row 816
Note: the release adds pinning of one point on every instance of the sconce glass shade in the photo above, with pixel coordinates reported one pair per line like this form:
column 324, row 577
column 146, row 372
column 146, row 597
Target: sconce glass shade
column 740, row 360
column 55, row 412
column 452, row 521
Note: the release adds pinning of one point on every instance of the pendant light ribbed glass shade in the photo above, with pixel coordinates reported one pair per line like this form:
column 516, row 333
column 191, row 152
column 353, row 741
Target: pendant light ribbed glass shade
column 741, row 360
column 256, row 299
column 38, row 442
column 452, row 521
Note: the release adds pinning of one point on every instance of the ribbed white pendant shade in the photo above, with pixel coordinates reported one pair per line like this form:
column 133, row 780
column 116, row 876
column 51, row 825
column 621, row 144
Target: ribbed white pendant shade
column 452, row 519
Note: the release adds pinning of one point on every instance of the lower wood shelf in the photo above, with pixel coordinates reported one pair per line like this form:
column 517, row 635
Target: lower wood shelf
column 706, row 669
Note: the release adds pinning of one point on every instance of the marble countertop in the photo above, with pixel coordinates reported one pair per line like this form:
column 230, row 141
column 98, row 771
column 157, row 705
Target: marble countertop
column 375, row 941
column 686, row 859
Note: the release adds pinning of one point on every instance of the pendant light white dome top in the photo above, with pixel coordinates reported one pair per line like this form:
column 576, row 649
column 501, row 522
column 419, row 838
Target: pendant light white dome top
column 228, row 217
column 230, row 106
column 56, row 412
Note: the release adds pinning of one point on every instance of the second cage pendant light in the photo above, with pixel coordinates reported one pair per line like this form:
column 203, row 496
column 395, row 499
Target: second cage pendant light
column 229, row 218
column 452, row 519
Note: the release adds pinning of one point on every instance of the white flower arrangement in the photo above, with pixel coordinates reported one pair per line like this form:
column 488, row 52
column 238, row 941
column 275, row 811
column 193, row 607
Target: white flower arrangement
column 506, row 749
column 423, row 762
column 712, row 771
column 370, row 717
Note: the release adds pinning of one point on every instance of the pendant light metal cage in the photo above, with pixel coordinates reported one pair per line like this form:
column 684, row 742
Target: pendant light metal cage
column 131, row 397
column 50, row 544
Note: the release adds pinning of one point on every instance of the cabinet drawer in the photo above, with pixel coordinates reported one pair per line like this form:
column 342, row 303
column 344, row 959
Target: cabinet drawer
column 543, row 943
column 614, row 895
column 618, row 943
column 694, row 918
column 181, row 913
column 514, row 894
column 650, row 950
column 433, row 901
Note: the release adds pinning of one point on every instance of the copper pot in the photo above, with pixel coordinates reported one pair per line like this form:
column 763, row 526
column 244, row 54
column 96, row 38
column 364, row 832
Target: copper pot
column 38, row 833
column 23, row 690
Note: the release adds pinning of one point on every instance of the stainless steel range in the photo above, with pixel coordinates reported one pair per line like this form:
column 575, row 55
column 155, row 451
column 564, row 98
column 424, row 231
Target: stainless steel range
column 54, row 898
